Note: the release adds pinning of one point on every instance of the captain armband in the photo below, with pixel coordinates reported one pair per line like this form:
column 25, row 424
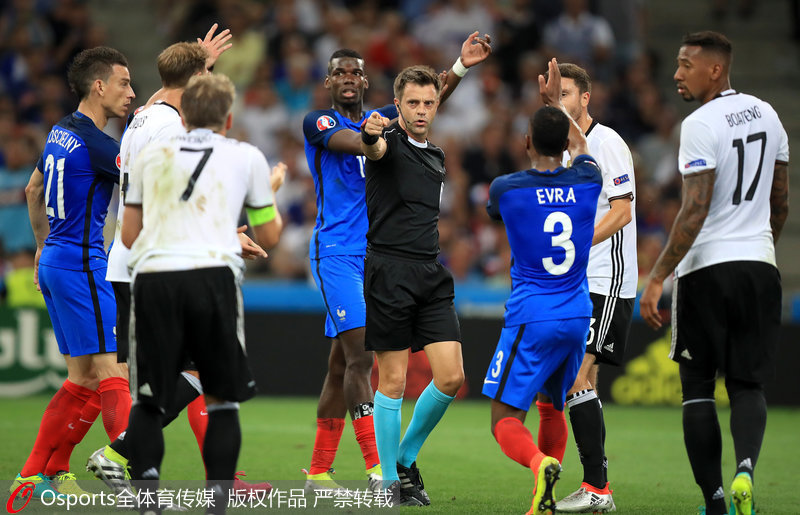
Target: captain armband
column 261, row 215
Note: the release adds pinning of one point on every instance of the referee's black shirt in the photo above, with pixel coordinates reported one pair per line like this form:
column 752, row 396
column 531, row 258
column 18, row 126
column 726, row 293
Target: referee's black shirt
column 403, row 191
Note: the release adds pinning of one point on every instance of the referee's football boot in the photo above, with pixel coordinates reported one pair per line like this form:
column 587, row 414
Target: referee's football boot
column 398, row 496
column 112, row 468
column 742, row 495
column 544, row 490
column 411, row 483
column 587, row 499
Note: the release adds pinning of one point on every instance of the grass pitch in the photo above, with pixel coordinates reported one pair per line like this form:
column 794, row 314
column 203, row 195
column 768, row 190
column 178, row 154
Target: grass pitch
column 463, row 467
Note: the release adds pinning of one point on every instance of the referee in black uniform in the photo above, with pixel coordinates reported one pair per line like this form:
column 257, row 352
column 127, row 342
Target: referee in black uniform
column 409, row 294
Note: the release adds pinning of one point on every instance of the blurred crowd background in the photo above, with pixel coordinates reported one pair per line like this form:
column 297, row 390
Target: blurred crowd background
column 278, row 63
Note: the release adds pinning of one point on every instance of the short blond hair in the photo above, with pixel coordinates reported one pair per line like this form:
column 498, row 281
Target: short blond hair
column 207, row 100
column 177, row 63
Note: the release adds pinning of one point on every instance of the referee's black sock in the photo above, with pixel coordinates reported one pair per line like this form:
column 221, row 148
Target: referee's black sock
column 221, row 446
column 586, row 418
column 748, row 422
column 186, row 390
column 703, row 440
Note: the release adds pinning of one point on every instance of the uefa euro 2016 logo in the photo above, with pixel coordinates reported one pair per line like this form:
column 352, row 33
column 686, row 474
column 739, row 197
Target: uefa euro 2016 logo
column 325, row 122
column 23, row 491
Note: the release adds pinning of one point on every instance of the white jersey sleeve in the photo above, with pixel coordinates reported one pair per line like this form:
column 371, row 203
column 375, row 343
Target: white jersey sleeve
column 259, row 190
column 698, row 147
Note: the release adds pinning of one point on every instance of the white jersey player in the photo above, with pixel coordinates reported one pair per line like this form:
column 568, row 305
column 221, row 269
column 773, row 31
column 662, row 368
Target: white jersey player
column 612, row 275
column 726, row 301
column 182, row 209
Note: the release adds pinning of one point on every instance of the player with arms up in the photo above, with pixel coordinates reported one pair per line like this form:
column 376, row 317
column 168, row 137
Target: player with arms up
column 612, row 275
column 549, row 214
column 337, row 249
column 68, row 196
column 734, row 156
column 182, row 207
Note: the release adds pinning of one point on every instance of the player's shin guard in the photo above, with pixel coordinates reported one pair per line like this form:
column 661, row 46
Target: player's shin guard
column 326, row 443
column 59, row 461
column 586, row 418
column 365, row 434
column 146, row 442
column 428, row 411
column 553, row 431
column 221, row 447
column 748, row 422
column 703, row 439
column 64, row 409
column 515, row 440
column 115, row 402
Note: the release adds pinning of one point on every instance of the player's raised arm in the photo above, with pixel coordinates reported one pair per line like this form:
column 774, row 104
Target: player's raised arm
column 372, row 144
column 550, row 92
column 474, row 50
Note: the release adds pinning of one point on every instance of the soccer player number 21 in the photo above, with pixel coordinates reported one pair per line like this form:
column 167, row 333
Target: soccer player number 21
column 562, row 239
column 51, row 165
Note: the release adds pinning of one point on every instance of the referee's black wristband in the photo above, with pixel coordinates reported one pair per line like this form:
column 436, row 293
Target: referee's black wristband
column 368, row 139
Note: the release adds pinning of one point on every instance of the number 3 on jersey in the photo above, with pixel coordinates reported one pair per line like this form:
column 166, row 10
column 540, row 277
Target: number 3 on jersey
column 562, row 239
column 51, row 166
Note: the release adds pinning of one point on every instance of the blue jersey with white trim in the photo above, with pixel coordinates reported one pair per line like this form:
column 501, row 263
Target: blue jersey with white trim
column 341, row 227
column 549, row 218
column 80, row 167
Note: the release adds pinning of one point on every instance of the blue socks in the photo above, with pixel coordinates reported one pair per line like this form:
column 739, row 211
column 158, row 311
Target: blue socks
column 428, row 411
column 387, row 418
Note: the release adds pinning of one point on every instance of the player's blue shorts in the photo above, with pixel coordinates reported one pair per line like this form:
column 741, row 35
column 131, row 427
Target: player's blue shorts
column 82, row 309
column 340, row 280
column 536, row 357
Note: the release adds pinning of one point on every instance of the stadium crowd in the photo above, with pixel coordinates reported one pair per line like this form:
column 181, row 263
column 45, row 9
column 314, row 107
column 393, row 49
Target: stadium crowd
column 278, row 61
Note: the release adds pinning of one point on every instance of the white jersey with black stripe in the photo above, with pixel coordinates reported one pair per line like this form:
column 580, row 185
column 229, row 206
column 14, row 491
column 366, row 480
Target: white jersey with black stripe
column 192, row 190
column 741, row 138
column 613, row 269
column 158, row 122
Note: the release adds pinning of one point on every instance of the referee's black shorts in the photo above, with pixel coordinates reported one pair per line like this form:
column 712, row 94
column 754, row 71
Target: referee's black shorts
column 409, row 303
column 193, row 314
column 726, row 318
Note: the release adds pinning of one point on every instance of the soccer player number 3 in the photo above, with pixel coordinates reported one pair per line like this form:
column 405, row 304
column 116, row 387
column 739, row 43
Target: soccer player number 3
column 562, row 239
column 51, row 165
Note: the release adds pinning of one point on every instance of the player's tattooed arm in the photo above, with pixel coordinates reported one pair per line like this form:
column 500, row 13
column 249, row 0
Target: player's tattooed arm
column 779, row 199
column 696, row 194
column 697, row 191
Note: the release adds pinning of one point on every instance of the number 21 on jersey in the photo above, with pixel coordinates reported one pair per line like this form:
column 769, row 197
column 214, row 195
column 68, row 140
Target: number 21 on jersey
column 54, row 207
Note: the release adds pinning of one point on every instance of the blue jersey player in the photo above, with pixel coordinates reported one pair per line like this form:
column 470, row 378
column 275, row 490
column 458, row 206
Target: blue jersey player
column 337, row 249
column 549, row 214
column 68, row 196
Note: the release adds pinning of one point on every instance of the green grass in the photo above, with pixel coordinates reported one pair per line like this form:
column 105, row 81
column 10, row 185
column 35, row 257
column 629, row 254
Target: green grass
column 463, row 467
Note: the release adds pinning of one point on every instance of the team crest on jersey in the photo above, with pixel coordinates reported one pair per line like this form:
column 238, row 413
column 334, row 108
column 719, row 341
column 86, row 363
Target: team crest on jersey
column 325, row 122
column 621, row 179
column 119, row 162
column 342, row 313
column 696, row 162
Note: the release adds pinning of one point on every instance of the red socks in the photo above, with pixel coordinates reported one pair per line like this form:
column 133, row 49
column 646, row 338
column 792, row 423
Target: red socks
column 329, row 432
column 64, row 408
column 115, row 402
column 516, row 441
column 553, row 431
column 198, row 419
column 365, row 436
column 77, row 430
